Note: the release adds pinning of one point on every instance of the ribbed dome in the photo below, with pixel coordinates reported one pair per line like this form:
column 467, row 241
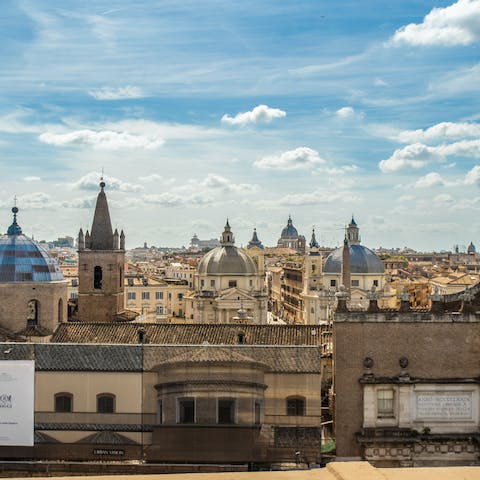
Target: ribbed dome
column 289, row 231
column 23, row 260
column 362, row 260
column 226, row 260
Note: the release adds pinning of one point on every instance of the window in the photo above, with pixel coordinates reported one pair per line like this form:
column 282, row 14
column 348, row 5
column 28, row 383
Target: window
column 158, row 295
column 120, row 277
column 186, row 410
column 132, row 295
column 159, row 310
column 180, row 312
column 202, row 283
column 145, row 295
column 60, row 310
column 33, row 307
column 73, row 295
column 232, row 283
column 375, row 282
column 385, row 403
column 63, row 402
column 241, row 338
column 296, row 406
column 159, row 412
column 212, row 283
column 250, row 283
column 226, row 410
column 257, row 412
column 97, row 278
column 180, row 296
column 105, row 403
column 333, row 283
column 355, row 283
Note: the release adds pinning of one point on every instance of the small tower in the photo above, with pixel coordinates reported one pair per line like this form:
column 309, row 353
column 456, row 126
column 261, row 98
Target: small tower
column 353, row 235
column 346, row 267
column 227, row 238
column 255, row 242
column 101, row 267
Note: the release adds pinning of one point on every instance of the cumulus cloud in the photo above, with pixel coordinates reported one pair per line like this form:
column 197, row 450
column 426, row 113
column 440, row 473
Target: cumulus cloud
column 457, row 24
column 103, row 139
column 91, row 181
column 473, row 176
column 121, row 93
column 418, row 155
column 298, row 159
column 260, row 114
column 439, row 132
column 345, row 112
column 431, row 179
column 214, row 181
column 170, row 200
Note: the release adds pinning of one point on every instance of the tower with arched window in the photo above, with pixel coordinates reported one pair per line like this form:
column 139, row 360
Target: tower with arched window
column 101, row 263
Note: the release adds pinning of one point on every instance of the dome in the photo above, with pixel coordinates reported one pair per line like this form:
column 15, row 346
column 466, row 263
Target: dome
column 23, row 260
column 226, row 260
column 362, row 260
column 289, row 231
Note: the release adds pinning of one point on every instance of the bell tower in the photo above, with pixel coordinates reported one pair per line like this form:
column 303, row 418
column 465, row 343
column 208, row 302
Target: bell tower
column 101, row 263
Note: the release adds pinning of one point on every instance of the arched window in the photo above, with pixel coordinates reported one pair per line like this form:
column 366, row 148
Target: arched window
column 105, row 403
column 60, row 310
column 296, row 406
column 97, row 278
column 241, row 340
column 33, row 308
column 63, row 402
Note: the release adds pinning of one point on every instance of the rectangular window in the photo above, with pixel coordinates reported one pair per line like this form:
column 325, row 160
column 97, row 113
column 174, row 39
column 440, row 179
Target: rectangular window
column 158, row 295
column 63, row 403
column 159, row 310
column 212, row 283
column 296, row 406
column 226, row 410
column 333, row 283
column 132, row 295
column 258, row 412
column 385, row 403
column 180, row 312
column 355, row 283
column 375, row 282
column 202, row 283
column 232, row 283
column 186, row 410
column 145, row 295
column 180, row 296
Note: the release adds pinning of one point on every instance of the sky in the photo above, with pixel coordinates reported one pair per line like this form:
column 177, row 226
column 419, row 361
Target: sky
column 247, row 110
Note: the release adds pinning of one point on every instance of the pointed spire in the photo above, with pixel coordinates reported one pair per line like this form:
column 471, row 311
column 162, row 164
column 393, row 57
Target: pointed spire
column 81, row 240
column 122, row 240
column 313, row 241
column 115, row 239
column 102, row 233
column 227, row 236
column 14, row 228
column 255, row 242
column 87, row 239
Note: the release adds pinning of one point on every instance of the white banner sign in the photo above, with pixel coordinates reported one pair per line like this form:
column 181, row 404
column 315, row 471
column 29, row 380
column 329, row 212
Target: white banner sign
column 17, row 378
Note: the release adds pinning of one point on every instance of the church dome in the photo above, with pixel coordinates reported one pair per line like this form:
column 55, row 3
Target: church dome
column 23, row 260
column 289, row 231
column 227, row 259
column 362, row 260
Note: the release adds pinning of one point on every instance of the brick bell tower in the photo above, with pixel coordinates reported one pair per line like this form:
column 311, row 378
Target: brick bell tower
column 101, row 263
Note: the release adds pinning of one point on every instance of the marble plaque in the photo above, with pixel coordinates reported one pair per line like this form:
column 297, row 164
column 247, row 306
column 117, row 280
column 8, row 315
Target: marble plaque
column 444, row 405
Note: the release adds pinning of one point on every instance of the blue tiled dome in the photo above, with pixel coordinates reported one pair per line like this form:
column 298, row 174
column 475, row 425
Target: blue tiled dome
column 23, row 260
column 362, row 260
column 289, row 231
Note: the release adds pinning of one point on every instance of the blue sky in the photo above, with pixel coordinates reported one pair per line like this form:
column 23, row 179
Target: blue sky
column 251, row 110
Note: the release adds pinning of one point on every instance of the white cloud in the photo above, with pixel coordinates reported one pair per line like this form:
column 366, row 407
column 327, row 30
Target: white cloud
column 214, row 181
column 345, row 112
column 431, row 179
column 300, row 158
column 457, row 24
column 260, row 114
column 35, row 200
column 378, row 82
column 439, row 132
column 31, row 179
column 91, row 181
column 103, row 139
column 169, row 199
column 418, row 155
column 154, row 177
column 121, row 93
column 473, row 176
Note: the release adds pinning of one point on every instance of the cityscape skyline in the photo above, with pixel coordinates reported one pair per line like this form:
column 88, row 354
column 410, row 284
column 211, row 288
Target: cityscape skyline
column 248, row 111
